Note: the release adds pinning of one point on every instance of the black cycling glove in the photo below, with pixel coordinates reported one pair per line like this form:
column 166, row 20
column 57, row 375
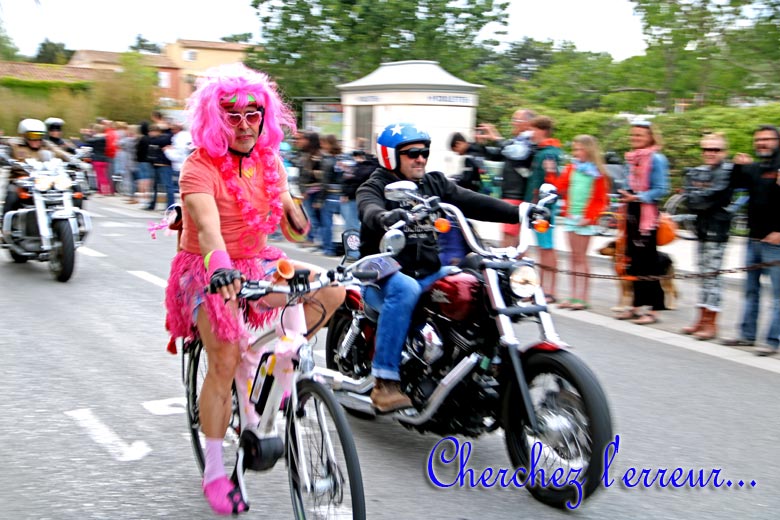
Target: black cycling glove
column 388, row 218
column 222, row 278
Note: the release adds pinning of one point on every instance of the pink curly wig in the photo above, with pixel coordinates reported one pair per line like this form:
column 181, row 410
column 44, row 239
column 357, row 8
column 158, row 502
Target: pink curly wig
column 209, row 128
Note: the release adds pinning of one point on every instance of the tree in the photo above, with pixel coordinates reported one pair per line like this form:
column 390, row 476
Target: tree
column 50, row 52
column 8, row 51
column 144, row 45
column 238, row 38
column 336, row 41
column 129, row 95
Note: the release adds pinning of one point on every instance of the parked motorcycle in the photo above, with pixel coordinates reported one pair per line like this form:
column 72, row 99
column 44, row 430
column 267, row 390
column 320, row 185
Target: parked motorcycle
column 465, row 369
column 48, row 227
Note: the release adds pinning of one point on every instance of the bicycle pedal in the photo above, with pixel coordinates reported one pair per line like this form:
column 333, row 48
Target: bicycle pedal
column 260, row 454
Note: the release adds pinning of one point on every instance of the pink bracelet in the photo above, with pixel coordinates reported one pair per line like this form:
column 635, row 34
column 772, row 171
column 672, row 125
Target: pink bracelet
column 216, row 259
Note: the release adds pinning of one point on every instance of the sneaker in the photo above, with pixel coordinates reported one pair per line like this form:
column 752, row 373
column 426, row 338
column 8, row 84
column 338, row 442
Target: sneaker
column 388, row 397
column 224, row 497
column 738, row 342
column 766, row 350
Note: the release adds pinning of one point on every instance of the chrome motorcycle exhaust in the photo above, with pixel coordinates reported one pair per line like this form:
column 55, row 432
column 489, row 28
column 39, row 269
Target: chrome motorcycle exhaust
column 450, row 381
column 339, row 382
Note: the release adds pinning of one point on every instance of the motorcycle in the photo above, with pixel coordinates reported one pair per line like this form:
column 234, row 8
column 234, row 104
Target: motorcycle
column 80, row 170
column 463, row 366
column 48, row 227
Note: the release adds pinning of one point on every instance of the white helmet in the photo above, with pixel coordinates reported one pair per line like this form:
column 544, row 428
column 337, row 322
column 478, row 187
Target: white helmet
column 31, row 129
column 54, row 121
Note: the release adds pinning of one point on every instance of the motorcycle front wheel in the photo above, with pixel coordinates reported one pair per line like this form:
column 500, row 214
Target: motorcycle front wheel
column 63, row 253
column 575, row 427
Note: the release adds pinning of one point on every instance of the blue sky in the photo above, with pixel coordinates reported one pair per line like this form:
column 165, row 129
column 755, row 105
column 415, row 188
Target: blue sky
column 113, row 25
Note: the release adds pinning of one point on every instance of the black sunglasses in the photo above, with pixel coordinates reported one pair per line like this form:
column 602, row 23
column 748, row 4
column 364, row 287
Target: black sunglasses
column 415, row 153
column 715, row 150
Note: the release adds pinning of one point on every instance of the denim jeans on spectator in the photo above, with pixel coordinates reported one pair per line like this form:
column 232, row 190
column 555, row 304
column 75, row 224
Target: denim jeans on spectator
column 395, row 297
column 314, row 217
column 162, row 174
column 330, row 206
column 759, row 252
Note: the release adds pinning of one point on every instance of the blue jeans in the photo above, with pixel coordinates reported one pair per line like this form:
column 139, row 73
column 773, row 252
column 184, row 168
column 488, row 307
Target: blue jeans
column 163, row 174
column 330, row 207
column 349, row 213
column 395, row 298
column 314, row 216
column 758, row 252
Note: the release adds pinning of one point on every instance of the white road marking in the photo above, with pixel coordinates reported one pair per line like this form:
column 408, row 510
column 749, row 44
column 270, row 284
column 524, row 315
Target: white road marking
column 676, row 340
column 123, row 212
column 156, row 280
column 115, row 224
column 172, row 406
column 92, row 214
column 90, row 252
column 106, row 437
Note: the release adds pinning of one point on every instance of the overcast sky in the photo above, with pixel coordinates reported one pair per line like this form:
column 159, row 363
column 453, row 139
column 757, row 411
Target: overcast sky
column 597, row 26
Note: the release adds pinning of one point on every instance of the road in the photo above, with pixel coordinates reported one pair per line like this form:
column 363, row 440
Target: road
column 92, row 423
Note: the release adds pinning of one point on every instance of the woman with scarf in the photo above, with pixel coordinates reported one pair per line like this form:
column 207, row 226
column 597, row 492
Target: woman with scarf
column 234, row 190
column 583, row 184
column 648, row 181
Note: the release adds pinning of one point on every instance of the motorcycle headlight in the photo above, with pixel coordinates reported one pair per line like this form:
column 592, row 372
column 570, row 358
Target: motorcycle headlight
column 43, row 183
column 523, row 281
column 63, row 182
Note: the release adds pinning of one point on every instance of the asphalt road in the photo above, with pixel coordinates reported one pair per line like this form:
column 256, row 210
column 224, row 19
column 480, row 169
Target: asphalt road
column 92, row 423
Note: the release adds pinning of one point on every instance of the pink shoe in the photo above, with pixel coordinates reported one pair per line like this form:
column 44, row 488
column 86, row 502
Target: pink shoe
column 224, row 497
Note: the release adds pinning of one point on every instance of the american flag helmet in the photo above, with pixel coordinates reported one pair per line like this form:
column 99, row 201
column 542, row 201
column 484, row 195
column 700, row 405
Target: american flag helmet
column 395, row 136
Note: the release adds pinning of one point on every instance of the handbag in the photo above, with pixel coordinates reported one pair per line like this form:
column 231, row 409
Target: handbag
column 667, row 230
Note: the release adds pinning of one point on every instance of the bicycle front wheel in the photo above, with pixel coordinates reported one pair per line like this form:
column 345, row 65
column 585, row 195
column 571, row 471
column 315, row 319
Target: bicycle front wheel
column 323, row 466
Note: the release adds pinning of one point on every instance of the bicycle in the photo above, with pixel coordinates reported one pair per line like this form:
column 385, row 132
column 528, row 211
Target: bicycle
column 322, row 461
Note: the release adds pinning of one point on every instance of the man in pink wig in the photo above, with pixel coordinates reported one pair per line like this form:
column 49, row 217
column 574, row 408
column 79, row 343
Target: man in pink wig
column 234, row 190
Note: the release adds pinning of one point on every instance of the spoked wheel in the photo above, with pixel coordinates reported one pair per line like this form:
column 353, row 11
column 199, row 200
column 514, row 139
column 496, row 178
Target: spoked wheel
column 63, row 252
column 323, row 466
column 574, row 427
column 196, row 372
column 677, row 207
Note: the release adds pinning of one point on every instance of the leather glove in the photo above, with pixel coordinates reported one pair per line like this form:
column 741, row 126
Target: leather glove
column 388, row 218
column 222, row 278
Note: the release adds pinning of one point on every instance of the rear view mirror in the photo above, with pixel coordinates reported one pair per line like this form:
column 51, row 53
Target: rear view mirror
column 392, row 242
column 401, row 190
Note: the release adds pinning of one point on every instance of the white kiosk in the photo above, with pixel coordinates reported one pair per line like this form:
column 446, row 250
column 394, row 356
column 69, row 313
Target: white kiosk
column 413, row 91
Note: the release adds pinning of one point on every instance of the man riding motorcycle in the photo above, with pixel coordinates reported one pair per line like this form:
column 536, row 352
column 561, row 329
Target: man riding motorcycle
column 54, row 134
column 403, row 151
column 28, row 145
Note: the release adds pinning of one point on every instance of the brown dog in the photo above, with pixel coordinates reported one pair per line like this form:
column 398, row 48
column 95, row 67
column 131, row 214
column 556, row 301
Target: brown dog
column 627, row 286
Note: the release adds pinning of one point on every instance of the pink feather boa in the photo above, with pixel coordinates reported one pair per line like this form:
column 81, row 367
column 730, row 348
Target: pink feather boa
column 186, row 290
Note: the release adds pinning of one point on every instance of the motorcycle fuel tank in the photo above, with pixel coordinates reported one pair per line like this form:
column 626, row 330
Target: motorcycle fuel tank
column 455, row 295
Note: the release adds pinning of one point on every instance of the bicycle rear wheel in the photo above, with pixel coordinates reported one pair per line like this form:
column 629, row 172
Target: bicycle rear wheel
column 323, row 467
column 196, row 373
column 677, row 207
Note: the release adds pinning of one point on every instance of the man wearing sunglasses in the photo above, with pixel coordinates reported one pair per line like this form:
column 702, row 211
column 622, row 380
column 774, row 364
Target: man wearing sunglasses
column 403, row 150
column 29, row 144
column 762, row 180
column 708, row 190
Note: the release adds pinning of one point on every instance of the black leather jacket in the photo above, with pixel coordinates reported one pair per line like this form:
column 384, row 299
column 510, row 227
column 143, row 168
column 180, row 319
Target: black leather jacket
column 420, row 257
column 709, row 191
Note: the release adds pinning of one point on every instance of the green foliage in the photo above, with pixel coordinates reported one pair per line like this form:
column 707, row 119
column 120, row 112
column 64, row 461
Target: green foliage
column 8, row 51
column 142, row 44
column 76, row 108
column 129, row 95
column 44, row 87
column 50, row 52
column 311, row 46
column 237, row 38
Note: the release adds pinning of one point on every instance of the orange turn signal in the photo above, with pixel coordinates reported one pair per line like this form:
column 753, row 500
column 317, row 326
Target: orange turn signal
column 24, row 194
column 542, row 226
column 442, row 225
column 285, row 269
column 78, row 195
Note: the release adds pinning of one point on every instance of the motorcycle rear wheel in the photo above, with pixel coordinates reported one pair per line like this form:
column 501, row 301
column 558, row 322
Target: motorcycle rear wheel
column 63, row 254
column 574, row 421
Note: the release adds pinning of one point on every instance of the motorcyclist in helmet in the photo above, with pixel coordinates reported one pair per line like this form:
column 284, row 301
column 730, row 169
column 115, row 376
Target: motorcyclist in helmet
column 28, row 145
column 54, row 134
column 403, row 150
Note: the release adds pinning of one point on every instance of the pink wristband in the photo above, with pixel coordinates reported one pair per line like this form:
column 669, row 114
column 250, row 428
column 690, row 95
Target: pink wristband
column 217, row 259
